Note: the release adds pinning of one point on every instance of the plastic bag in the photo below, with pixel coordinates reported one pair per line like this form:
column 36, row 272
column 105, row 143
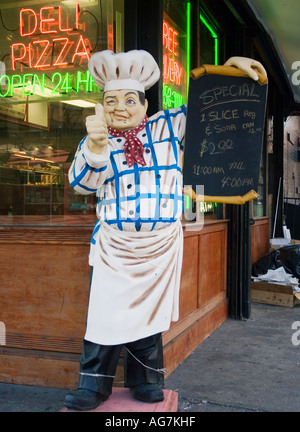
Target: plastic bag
column 287, row 257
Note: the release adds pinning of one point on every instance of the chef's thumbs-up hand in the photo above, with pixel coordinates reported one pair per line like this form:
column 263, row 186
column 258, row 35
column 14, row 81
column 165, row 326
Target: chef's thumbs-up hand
column 97, row 130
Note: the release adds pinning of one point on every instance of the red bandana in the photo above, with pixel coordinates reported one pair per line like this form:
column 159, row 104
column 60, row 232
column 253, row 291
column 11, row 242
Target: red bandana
column 133, row 148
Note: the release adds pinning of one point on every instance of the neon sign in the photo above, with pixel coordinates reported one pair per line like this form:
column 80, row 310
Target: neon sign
column 33, row 18
column 174, row 56
column 39, row 54
column 49, row 39
column 170, row 38
column 171, row 98
column 46, row 53
column 172, row 70
column 31, row 84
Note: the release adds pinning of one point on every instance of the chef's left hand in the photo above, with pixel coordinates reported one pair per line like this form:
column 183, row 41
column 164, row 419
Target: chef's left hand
column 247, row 65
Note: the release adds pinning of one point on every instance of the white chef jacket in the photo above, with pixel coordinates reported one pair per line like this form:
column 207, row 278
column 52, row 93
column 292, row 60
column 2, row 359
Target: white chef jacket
column 140, row 200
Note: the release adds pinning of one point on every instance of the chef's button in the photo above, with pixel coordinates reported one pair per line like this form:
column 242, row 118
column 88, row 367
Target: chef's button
column 165, row 205
column 147, row 150
column 125, row 162
column 131, row 212
column 158, row 176
column 129, row 186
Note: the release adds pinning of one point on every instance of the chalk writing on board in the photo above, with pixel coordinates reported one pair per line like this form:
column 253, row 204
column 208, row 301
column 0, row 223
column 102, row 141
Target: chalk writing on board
column 225, row 125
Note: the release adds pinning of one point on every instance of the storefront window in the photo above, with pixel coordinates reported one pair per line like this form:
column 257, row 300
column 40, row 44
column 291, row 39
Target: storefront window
column 46, row 92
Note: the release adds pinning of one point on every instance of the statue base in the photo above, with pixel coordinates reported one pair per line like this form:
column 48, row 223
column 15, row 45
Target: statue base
column 121, row 401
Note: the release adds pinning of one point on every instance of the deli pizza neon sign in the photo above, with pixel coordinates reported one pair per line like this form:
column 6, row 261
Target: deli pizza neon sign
column 45, row 52
column 50, row 39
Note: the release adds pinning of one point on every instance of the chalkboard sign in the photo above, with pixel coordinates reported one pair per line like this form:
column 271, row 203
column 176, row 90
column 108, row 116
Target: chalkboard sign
column 224, row 134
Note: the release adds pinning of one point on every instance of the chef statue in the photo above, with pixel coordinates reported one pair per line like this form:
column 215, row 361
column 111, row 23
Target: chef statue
column 133, row 164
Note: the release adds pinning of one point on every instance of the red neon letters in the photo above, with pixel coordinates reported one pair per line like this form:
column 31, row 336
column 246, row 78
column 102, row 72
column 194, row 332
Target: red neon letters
column 172, row 70
column 169, row 38
column 47, row 21
column 54, row 50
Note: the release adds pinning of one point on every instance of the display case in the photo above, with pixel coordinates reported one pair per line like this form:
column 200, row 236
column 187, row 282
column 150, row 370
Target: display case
column 38, row 191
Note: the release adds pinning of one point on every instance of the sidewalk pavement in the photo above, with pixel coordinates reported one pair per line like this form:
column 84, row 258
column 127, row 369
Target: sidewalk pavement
column 244, row 366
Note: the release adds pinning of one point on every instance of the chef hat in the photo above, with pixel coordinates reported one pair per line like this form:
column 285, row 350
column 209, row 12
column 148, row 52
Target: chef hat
column 132, row 70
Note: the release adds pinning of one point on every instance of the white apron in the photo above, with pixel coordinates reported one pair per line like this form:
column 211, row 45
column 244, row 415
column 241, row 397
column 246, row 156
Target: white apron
column 135, row 285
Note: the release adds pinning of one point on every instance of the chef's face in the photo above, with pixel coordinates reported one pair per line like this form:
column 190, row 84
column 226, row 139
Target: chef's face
column 123, row 109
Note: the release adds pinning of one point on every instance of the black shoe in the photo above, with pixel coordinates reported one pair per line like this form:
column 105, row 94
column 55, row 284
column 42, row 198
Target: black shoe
column 83, row 400
column 147, row 392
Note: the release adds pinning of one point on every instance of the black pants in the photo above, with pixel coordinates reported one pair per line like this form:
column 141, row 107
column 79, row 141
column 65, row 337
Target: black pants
column 142, row 359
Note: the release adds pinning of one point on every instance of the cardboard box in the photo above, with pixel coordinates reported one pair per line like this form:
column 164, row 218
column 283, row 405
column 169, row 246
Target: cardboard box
column 274, row 294
column 274, row 246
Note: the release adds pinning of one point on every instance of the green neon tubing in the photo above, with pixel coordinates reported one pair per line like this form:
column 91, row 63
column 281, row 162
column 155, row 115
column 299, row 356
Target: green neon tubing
column 188, row 44
column 214, row 35
column 188, row 69
column 188, row 202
